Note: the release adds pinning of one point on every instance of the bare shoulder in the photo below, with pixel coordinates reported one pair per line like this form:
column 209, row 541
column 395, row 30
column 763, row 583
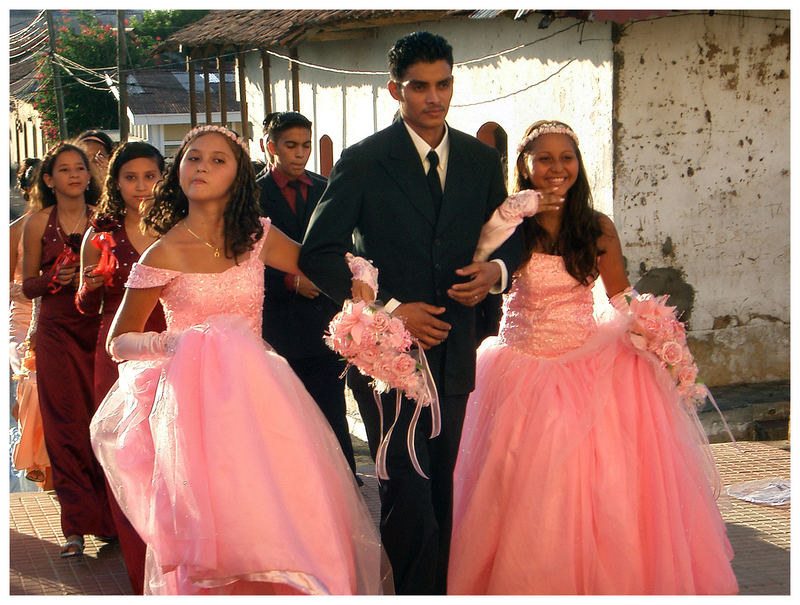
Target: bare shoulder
column 37, row 221
column 606, row 226
column 163, row 254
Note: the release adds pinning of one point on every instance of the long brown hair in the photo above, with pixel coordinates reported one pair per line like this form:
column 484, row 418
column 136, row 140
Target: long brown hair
column 241, row 215
column 111, row 204
column 42, row 196
column 576, row 241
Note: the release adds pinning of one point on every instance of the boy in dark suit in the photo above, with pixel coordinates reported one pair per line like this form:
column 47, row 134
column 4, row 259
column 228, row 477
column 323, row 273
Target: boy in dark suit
column 412, row 198
column 295, row 313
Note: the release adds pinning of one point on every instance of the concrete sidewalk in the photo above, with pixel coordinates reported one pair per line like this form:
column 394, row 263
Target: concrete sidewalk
column 760, row 534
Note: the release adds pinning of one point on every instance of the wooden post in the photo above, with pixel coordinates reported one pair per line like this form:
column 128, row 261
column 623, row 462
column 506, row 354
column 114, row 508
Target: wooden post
column 267, row 83
column 62, row 118
column 240, row 67
column 207, row 90
column 295, row 68
column 192, row 90
column 122, row 71
column 223, row 98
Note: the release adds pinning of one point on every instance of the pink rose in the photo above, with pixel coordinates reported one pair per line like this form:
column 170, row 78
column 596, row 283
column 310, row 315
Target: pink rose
column 367, row 358
column 380, row 321
column 688, row 375
column 403, row 365
column 671, row 353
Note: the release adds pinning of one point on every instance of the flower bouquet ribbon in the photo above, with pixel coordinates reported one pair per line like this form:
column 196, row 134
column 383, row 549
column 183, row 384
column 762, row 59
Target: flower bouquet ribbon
column 107, row 265
column 68, row 256
column 381, row 347
column 655, row 329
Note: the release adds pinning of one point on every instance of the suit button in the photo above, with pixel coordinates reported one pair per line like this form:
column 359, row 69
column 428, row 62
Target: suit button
column 438, row 267
column 437, row 242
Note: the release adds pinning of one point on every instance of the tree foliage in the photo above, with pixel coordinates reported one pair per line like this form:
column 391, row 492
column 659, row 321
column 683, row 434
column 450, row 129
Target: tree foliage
column 88, row 101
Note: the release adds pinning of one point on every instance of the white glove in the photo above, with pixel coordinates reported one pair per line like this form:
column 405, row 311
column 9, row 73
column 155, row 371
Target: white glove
column 143, row 345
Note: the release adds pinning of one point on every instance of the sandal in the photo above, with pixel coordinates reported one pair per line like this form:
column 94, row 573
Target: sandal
column 73, row 547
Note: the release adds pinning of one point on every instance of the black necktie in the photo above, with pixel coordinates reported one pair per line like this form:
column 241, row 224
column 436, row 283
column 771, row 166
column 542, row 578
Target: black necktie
column 433, row 180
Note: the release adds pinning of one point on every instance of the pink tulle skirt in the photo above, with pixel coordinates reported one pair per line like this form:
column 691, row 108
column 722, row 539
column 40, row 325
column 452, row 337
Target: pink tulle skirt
column 584, row 474
column 230, row 473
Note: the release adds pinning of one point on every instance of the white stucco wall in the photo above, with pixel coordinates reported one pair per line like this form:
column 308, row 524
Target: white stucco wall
column 702, row 178
column 511, row 89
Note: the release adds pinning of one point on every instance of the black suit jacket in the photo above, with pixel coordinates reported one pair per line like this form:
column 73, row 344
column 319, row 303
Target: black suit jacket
column 378, row 205
column 293, row 324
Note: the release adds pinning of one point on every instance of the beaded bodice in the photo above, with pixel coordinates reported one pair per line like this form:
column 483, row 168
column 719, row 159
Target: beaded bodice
column 190, row 298
column 547, row 313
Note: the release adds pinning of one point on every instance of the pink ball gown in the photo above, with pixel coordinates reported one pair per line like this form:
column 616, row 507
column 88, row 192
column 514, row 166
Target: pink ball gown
column 580, row 471
column 222, row 461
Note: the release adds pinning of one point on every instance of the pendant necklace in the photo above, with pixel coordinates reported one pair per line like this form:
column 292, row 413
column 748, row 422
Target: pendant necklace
column 214, row 248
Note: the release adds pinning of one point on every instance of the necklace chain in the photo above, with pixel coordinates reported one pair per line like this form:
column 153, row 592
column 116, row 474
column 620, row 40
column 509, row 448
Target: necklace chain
column 75, row 228
column 212, row 246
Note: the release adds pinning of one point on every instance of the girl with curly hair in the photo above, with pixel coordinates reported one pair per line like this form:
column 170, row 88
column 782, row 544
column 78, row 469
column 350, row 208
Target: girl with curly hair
column 218, row 455
column 111, row 245
column 581, row 468
column 62, row 202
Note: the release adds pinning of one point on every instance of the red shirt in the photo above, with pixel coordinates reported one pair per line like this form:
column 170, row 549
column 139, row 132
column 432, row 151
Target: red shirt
column 289, row 193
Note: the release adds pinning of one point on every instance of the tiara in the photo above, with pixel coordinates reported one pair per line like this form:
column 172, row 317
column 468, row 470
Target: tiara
column 547, row 128
column 198, row 130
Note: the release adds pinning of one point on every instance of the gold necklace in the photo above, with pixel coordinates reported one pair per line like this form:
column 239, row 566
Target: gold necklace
column 214, row 248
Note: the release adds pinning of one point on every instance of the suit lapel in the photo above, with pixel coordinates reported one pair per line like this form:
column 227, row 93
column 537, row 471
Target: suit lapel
column 403, row 166
column 279, row 211
column 457, row 185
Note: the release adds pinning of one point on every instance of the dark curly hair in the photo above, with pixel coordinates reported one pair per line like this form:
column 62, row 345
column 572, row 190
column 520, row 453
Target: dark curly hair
column 580, row 227
column 42, row 196
column 26, row 176
column 279, row 121
column 416, row 47
column 241, row 215
column 111, row 204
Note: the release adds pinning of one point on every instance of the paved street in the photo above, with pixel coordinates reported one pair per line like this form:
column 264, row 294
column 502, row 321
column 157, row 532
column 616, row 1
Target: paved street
column 760, row 534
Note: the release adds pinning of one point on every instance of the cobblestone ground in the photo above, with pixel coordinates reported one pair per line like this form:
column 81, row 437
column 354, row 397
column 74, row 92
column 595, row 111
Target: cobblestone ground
column 760, row 534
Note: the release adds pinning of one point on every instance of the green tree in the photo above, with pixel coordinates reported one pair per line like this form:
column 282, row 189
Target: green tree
column 88, row 102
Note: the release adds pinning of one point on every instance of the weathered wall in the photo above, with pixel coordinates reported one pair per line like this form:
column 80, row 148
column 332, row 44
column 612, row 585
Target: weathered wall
column 701, row 180
column 546, row 74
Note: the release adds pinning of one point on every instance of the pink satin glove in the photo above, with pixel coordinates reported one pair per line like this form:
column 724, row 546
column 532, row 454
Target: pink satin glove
column 365, row 272
column 139, row 346
column 621, row 300
column 504, row 220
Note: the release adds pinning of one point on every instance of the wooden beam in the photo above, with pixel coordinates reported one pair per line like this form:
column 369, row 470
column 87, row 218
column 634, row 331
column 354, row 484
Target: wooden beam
column 223, row 97
column 207, row 89
column 190, row 64
column 267, row 83
column 295, row 69
column 240, row 67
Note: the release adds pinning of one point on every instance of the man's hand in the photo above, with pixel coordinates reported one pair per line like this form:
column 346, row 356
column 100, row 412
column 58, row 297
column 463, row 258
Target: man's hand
column 420, row 320
column 305, row 287
column 482, row 276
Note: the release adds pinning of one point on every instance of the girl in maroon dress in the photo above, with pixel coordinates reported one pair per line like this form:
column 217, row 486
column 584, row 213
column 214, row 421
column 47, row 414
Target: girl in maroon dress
column 111, row 245
column 65, row 341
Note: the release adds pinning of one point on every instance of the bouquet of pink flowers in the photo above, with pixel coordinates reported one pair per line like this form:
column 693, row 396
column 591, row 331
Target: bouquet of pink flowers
column 655, row 328
column 379, row 345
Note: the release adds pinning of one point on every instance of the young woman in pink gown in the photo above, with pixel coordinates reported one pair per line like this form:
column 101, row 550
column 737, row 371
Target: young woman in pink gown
column 134, row 169
column 580, row 470
column 215, row 451
column 63, row 200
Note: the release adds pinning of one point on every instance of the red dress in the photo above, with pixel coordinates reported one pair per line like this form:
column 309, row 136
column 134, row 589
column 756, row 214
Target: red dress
column 65, row 345
column 106, row 372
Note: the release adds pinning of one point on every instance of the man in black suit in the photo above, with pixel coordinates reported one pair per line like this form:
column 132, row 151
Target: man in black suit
column 417, row 217
column 295, row 313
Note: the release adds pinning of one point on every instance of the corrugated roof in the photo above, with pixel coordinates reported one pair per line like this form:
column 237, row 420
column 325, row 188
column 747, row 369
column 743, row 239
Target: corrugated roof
column 163, row 91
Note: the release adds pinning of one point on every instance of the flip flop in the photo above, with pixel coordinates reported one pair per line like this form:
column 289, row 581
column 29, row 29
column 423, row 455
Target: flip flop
column 73, row 547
